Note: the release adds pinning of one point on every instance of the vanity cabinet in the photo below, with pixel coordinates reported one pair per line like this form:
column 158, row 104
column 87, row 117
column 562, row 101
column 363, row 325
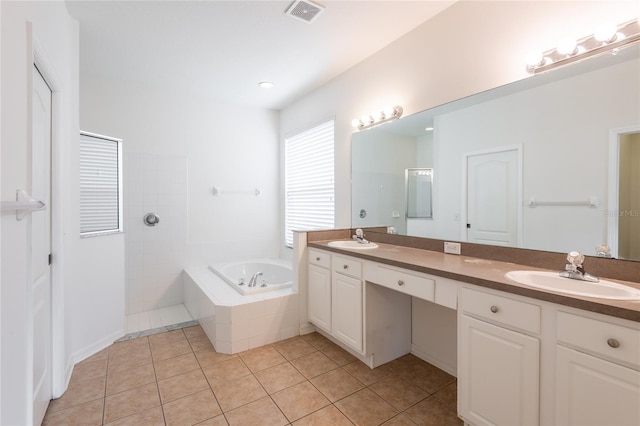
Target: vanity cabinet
column 597, row 372
column 498, row 359
column 319, row 289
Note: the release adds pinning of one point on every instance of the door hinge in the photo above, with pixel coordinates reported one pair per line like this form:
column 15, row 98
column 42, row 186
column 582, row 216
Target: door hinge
column 50, row 258
column 468, row 226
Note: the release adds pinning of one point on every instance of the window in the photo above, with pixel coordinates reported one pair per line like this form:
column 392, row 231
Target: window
column 100, row 184
column 309, row 180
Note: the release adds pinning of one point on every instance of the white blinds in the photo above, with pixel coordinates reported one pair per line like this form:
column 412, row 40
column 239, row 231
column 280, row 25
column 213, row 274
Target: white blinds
column 309, row 180
column 100, row 184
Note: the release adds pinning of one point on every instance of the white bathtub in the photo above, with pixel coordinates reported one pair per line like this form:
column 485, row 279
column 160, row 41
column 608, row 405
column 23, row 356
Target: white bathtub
column 235, row 322
column 276, row 275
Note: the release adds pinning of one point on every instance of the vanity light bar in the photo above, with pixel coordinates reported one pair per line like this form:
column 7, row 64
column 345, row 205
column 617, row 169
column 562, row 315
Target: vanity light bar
column 373, row 119
column 608, row 37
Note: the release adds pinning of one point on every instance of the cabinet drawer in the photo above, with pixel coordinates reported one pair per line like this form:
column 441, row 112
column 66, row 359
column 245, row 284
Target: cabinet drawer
column 320, row 258
column 602, row 338
column 509, row 312
column 347, row 266
column 402, row 281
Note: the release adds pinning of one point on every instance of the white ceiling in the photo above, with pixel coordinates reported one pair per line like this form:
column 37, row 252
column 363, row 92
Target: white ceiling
column 222, row 49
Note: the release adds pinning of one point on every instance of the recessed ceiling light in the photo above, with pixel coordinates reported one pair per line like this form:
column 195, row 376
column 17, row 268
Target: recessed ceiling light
column 266, row 84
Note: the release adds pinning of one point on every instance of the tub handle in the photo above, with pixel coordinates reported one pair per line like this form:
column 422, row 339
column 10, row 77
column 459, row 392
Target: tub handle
column 151, row 219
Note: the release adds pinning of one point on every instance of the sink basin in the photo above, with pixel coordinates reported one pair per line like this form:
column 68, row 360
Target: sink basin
column 352, row 245
column 552, row 281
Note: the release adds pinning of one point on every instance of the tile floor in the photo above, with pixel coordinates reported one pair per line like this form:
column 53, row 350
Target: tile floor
column 177, row 378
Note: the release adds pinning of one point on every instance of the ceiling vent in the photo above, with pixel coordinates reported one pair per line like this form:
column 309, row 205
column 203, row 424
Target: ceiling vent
column 305, row 10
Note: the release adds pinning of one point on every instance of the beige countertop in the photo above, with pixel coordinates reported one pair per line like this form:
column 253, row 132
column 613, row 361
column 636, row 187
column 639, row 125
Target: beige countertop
column 484, row 273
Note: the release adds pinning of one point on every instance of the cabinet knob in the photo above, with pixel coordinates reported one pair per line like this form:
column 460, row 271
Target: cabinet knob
column 614, row 343
column 494, row 309
column 317, row 259
column 345, row 266
column 400, row 282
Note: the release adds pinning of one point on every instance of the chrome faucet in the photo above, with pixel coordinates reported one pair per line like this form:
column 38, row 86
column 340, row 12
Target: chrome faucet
column 575, row 270
column 254, row 279
column 359, row 237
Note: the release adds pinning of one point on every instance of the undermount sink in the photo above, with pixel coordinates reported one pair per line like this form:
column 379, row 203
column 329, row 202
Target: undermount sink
column 552, row 281
column 352, row 245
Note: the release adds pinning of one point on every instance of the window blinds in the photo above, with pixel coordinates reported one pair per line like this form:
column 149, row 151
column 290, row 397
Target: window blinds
column 100, row 184
column 309, row 180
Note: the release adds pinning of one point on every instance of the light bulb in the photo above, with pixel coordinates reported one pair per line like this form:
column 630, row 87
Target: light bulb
column 365, row 119
column 567, row 46
column 606, row 32
column 535, row 59
column 389, row 111
column 377, row 116
column 355, row 122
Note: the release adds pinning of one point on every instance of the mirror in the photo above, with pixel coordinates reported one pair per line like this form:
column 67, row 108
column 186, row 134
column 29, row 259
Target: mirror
column 559, row 124
column 418, row 193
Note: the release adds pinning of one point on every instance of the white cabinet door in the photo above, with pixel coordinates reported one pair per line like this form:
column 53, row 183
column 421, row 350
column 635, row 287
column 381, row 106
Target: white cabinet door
column 347, row 310
column 592, row 391
column 320, row 297
column 497, row 375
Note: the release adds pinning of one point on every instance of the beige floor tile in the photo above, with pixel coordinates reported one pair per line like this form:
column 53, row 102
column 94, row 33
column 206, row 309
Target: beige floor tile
column 294, row 348
column 300, row 400
column 182, row 385
column 428, row 377
column 191, row 409
column 262, row 358
column 120, row 381
column 448, row 395
column 98, row 356
column 170, row 367
column 84, row 371
column 85, row 414
column 165, row 338
column 224, row 371
column 366, row 408
column 129, row 346
column 170, row 350
column 130, row 402
column 79, row 393
column 237, row 392
column 207, row 357
column 398, row 392
column 432, row 412
column 367, row 375
column 193, row 331
column 200, row 342
column 338, row 355
column 314, row 364
column 280, row 377
column 318, row 341
column 151, row 417
column 216, row 421
column 337, row 384
column 263, row 412
column 125, row 360
column 399, row 420
column 328, row 416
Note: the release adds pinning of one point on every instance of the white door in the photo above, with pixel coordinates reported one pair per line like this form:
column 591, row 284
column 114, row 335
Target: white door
column 319, row 284
column 492, row 198
column 41, row 246
column 346, row 321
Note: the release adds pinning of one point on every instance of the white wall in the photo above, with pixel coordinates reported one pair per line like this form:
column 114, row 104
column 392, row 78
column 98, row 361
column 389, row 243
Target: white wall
column 453, row 55
column 181, row 141
column 88, row 276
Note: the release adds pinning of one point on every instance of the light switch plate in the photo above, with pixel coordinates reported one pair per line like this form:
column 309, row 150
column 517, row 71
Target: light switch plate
column 451, row 248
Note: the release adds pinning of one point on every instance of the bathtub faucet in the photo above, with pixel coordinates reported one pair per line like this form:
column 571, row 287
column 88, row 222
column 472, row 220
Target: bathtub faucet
column 254, row 279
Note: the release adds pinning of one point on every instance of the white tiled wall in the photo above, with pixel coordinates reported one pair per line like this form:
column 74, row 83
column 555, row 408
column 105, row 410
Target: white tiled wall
column 154, row 255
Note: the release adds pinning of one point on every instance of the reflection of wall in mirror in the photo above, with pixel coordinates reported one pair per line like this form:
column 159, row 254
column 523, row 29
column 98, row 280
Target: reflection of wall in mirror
column 629, row 197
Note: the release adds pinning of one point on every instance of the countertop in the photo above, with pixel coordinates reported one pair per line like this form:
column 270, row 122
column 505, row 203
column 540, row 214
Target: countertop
column 485, row 273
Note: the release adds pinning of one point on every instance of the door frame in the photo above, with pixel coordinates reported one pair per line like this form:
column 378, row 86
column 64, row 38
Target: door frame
column 464, row 196
column 39, row 58
column 613, row 196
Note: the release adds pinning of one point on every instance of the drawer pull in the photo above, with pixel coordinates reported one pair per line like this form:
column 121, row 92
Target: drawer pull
column 345, row 266
column 400, row 282
column 494, row 309
column 614, row 343
column 317, row 259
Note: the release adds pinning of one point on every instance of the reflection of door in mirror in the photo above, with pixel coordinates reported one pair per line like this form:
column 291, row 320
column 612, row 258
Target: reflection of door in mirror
column 418, row 190
column 492, row 198
column 629, row 197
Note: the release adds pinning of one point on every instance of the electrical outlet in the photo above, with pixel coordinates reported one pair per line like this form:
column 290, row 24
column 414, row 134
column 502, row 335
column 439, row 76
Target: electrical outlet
column 451, row 248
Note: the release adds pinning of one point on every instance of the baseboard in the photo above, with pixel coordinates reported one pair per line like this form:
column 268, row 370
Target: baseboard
column 442, row 364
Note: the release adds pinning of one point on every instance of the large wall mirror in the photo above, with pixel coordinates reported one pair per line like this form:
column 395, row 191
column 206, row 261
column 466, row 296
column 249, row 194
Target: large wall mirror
column 527, row 164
